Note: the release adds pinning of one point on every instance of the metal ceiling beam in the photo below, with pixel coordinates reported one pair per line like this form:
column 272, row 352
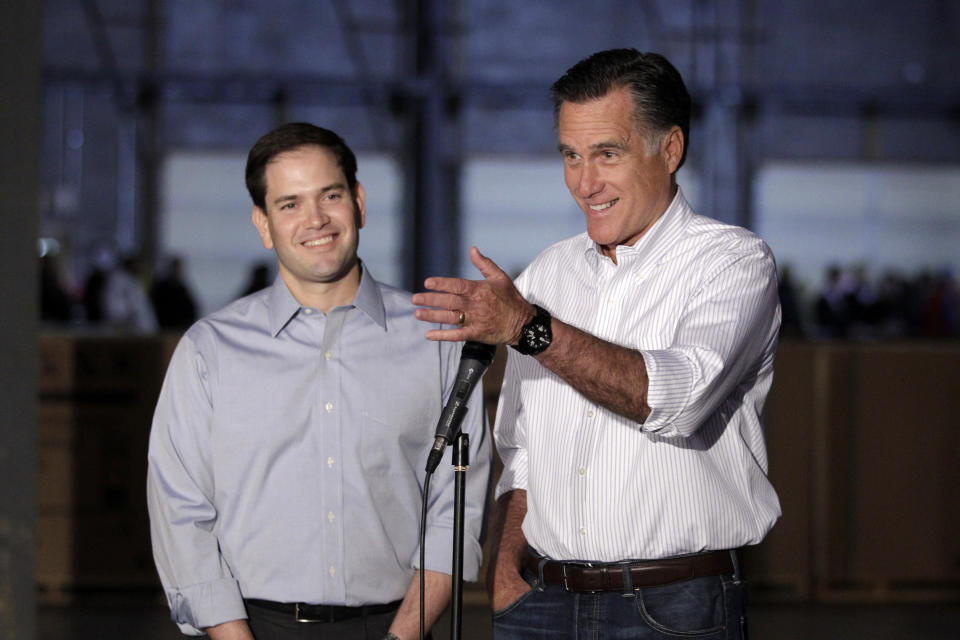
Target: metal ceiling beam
column 529, row 93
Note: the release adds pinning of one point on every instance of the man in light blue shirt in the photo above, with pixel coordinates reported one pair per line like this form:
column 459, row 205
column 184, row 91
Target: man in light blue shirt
column 288, row 445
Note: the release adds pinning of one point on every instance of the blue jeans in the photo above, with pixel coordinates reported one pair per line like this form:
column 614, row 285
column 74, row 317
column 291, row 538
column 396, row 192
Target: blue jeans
column 711, row 608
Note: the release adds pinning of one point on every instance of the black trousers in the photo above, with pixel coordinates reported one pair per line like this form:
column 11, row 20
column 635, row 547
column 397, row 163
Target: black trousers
column 267, row 624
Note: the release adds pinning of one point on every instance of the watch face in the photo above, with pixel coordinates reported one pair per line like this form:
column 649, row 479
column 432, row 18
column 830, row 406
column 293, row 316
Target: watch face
column 536, row 335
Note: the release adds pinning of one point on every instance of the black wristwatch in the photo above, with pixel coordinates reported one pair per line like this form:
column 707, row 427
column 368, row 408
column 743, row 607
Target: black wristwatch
column 536, row 335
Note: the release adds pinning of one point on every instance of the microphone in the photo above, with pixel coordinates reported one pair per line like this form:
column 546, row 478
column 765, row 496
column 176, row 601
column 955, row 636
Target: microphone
column 474, row 360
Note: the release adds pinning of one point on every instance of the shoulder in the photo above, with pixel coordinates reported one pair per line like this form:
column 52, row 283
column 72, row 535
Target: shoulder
column 395, row 298
column 249, row 313
column 558, row 256
column 563, row 250
column 717, row 244
column 401, row 323
column 404, row 337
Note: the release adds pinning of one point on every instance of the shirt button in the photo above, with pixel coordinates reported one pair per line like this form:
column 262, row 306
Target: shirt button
column 331, row 517
column 641, row 277
column 331, row 571
column 582, row 471
column 583, row 531
column 329, row 407
column 330, row 462
column 308, row 311
column 590, row 413
column 328, row 355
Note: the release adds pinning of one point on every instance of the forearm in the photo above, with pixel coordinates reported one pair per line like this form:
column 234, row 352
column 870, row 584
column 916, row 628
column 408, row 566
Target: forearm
column 495, row 312
column 607, row 374
column 233, row 630
column 509, row 545
column 437, row 588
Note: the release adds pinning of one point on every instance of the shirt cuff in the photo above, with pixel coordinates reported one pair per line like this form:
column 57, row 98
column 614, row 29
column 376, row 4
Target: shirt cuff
column 514, row 474
column 438, row 557
column 669, row 385
column 203, row 605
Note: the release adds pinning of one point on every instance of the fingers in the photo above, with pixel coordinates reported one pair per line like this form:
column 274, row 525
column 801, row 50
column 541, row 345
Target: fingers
column 448, row 335
column 487, row 267
column 440, row 316
column 437, row 300
column 459, row 286
column 456, row 286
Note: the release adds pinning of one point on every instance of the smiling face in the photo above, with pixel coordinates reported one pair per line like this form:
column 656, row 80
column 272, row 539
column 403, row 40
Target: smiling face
column 312, row 221
column 622, row 182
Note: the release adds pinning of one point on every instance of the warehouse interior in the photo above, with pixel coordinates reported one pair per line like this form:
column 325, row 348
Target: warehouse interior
column 831, row 129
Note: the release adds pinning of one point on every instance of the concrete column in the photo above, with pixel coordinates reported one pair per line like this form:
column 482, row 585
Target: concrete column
column 21, row 36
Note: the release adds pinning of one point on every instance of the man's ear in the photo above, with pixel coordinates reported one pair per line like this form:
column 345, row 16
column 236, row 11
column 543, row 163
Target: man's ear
column 671, row 148
column 259, row 219
column 359, row 198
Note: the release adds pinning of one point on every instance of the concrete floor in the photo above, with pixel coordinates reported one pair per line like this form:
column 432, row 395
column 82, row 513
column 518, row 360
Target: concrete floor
column 143, row 618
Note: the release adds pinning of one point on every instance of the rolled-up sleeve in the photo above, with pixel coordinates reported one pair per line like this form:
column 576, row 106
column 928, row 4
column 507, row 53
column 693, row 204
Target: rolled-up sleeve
column 727, row 323
column 199, row 585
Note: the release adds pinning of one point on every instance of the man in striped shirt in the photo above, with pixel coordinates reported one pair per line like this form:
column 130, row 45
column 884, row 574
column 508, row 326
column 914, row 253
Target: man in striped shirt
column 629, row 418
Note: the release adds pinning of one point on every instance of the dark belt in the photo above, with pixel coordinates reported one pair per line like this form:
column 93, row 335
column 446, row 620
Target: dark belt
column 302, row 612
column 593, row 577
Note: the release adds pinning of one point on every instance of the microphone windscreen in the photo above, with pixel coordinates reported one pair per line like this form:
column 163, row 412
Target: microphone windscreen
column 479, row 351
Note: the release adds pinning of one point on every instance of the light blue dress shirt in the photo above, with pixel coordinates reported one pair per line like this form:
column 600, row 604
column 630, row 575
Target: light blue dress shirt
column 287, row 456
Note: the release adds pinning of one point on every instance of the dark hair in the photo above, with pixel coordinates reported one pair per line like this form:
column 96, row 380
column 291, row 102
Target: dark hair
column 659, row 95
column 287, row 137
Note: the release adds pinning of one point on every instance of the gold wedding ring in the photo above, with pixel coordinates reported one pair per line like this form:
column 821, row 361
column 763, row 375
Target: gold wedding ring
column 462, row 318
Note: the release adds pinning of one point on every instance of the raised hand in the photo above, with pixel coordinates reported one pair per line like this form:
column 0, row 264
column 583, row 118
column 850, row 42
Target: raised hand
column 491, row 310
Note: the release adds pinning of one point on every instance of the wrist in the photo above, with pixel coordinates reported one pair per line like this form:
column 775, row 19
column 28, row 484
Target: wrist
column 536, row 335
column 391, row 636
column 529, row 313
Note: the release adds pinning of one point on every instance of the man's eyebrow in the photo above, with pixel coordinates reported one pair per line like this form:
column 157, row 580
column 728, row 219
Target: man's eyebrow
column 598, row 146
column 609, row 144
column 282, row 199
column 336, row 186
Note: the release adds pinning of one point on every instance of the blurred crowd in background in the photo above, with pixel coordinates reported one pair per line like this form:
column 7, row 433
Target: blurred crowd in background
column 121, row 295
column 849, row 304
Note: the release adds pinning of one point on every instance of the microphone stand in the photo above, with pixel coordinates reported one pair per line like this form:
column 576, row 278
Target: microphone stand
column 461, row 461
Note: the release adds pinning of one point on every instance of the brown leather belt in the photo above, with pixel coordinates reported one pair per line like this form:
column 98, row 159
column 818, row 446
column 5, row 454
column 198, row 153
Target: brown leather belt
column 585, row 577
column 302, row 612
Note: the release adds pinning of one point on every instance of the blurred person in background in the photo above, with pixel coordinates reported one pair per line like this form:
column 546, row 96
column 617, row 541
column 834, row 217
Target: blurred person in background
column 55, row 304
column 258, row 278
column 172, row 300
column 126, row 306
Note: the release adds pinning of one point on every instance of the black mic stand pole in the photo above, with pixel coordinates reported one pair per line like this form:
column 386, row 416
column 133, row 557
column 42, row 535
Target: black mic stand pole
column 461, row 460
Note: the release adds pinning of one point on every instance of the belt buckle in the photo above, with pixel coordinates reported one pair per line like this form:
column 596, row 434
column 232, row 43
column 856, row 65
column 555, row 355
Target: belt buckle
column 566, row 585
column 301, row 618
column 603, row 572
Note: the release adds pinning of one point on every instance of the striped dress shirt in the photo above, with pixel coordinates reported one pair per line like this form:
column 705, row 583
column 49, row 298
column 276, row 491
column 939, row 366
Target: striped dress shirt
column 698, row 299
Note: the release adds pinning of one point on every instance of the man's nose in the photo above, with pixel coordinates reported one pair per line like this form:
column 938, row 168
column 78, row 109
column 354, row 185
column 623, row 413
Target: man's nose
column 316, row 216
column 589, row 182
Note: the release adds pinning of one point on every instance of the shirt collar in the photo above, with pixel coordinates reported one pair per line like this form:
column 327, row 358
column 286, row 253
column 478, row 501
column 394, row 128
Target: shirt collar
column 655, row 240
column 368, row 298
column 282, row 306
